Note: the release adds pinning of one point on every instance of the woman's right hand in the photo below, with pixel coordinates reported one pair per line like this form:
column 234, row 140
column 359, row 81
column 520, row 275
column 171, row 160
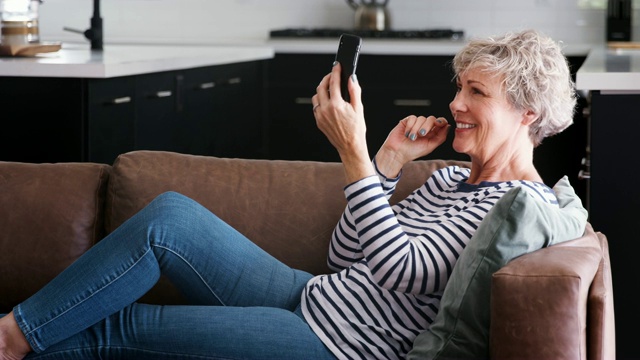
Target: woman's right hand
column 412, row 138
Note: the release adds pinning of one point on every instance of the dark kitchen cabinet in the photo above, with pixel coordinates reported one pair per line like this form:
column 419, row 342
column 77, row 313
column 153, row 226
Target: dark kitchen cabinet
column 292, row 131
column 393, row 87
column 111, row 110
column 215, row 110
column 614, row 202
column 239, row 108
column 38, row 121
column 157, row 125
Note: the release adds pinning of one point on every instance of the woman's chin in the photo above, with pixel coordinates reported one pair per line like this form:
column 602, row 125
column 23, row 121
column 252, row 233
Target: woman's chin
column 458, row 147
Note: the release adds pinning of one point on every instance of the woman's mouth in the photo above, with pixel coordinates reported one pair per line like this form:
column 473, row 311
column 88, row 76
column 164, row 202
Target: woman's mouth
column 460, row 125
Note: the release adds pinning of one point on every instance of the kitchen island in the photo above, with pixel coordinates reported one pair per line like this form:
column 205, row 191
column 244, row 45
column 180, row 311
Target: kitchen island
column 612, row 79
column 610, row 70
column 79, row 61
column 82, row 105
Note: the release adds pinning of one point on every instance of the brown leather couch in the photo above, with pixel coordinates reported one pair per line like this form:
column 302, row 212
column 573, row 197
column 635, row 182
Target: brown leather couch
column 544, row 305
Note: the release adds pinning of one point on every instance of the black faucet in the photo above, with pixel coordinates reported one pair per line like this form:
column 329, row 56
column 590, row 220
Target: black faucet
column 94, row 33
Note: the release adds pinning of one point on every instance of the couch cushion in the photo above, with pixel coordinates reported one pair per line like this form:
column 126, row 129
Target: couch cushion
column 49, row 215
column 516, row 225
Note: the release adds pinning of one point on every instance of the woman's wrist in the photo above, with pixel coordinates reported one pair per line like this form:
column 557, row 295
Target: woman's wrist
column 357, row 166
column 389, row 163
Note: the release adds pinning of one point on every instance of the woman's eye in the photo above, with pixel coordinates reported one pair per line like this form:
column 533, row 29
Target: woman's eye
column 476, row 91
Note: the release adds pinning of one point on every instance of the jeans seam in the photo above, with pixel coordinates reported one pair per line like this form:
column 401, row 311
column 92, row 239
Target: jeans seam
column 22, row 324
column 194, row 270
column 138, row 349
column 92, row 294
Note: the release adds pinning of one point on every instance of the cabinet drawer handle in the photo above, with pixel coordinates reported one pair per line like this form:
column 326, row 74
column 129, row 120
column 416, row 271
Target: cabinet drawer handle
column 235, row 80
column 179, row 92
column 303, row 100
column 411, row 102
column 584, row 175
column 120, row 100
column 163, row 94
column 207, row 85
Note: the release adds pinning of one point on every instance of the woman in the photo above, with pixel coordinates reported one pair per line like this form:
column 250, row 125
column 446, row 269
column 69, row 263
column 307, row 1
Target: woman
column 391, row 263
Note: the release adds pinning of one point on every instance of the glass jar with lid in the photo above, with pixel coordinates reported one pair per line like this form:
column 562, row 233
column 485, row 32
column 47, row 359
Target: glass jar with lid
column 19, row 21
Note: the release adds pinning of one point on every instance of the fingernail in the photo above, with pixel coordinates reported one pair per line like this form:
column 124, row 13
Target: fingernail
column 354, row 78
column 406, row 134
column 423, row 132
column 439, row 121
column 412, row 137
column 335, row 63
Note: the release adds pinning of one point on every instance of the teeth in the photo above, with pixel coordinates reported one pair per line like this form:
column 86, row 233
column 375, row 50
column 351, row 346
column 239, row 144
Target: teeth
column 465, row 126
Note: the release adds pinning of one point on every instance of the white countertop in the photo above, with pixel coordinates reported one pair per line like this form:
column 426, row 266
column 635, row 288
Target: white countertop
column 78, row 60
column 610, row 71
column 604, row 69
column 389, row 47
column 369, row 46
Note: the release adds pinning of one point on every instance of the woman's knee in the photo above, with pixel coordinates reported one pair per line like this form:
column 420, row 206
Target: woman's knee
column 170, row 198
column 174, row 201
column 174, row 208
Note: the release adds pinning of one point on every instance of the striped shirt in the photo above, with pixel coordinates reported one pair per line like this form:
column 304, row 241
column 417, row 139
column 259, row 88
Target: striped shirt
column 393, row 262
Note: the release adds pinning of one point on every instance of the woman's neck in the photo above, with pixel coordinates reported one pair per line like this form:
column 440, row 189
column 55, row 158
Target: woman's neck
column 517, row 166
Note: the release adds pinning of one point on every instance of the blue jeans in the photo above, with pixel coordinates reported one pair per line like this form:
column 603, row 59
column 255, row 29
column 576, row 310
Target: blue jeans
column 245, row 302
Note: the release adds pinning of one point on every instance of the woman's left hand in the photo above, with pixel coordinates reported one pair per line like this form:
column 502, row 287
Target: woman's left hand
column 343, row 123
column 413, row 137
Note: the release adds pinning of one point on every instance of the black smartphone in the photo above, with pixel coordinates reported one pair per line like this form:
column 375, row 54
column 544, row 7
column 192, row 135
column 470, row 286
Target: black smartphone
column 347, row 56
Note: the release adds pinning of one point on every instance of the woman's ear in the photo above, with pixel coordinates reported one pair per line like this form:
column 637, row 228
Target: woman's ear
column 529, row 117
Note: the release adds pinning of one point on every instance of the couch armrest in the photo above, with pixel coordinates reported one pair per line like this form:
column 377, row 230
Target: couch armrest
column 539, row 301
column 601, row 319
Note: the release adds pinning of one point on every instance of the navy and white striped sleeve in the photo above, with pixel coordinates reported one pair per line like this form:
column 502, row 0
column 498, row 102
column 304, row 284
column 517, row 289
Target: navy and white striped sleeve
column 344, row 248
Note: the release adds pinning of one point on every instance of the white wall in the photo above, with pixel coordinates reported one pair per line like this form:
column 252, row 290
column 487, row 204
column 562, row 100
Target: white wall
column 249, row 21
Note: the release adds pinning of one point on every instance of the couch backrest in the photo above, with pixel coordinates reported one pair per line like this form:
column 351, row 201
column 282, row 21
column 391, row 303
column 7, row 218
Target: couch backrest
column 49, row 215
column 289, row 208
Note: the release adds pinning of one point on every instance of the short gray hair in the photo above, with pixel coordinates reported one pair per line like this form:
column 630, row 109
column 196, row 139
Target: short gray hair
column 535, row 75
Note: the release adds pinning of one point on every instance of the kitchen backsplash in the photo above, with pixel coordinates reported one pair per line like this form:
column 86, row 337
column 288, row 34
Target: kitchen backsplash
column 249, row 21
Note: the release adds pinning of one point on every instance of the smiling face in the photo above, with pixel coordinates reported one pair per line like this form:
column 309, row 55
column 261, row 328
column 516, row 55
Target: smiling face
column 487, row 125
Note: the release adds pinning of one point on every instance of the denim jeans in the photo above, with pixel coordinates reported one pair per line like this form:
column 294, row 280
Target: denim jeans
column 245, row 302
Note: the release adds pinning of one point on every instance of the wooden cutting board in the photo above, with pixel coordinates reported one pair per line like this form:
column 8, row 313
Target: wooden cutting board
column 29, row 49
column 623, row 45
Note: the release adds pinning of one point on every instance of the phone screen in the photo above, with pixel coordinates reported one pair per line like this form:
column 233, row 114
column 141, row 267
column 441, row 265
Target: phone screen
column 347, row 56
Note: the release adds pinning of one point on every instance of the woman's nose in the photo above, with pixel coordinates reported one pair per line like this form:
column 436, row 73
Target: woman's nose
column 456, row 104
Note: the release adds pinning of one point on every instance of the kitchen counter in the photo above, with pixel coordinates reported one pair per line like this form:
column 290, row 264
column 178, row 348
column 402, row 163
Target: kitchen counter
column 610, row 71
column 369, row 46
column 389, row 46
column 79, row 61
column 604, row 69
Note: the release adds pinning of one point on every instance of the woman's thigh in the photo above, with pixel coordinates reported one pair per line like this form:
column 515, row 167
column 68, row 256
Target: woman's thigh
column 212, row 263
column 193, row 332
